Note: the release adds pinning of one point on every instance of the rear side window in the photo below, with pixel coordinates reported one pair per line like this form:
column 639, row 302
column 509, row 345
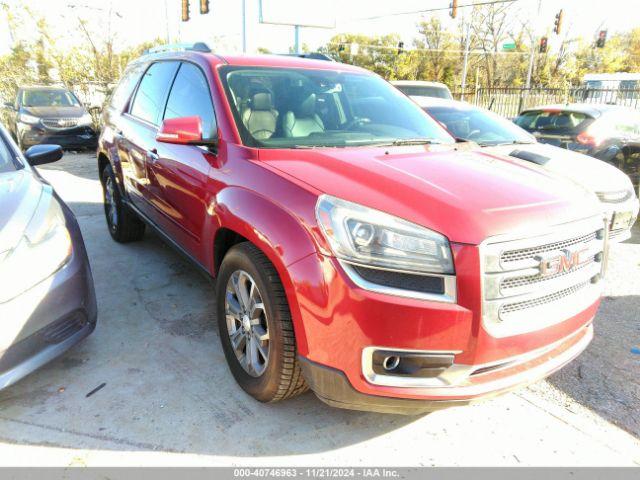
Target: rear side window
column 190, row 96
column 425, row 91
column 553, row 121
column 149, row 99
column 125, row 87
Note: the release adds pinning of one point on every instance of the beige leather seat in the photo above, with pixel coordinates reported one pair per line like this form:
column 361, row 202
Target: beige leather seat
column 260, row 117
column 302, row 121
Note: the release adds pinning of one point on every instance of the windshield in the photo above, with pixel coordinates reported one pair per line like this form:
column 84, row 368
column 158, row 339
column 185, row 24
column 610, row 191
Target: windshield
column 7, row 160
column 480, row 126
column 425, row 91
column 553, row 121
column 49, row 98
column 304, row 108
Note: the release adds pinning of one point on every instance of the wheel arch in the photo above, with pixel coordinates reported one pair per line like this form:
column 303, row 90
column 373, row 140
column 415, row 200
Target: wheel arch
column 244, row 215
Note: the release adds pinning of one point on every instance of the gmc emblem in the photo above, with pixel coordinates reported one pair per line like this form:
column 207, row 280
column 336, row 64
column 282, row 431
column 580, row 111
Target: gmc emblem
column 565, row 262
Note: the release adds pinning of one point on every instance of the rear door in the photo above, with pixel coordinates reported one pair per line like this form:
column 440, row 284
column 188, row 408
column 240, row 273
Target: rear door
column 139, row 128
column 178, row 176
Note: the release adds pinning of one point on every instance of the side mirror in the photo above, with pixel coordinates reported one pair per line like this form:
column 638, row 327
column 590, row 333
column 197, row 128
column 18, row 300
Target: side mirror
column 9, row 105
column 42, row 154
column 183, row 131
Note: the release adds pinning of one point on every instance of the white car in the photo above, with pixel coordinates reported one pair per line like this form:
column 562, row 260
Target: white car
column 417, row 89
column 498, row 135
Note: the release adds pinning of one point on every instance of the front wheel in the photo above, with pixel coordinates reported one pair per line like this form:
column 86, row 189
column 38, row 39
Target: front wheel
column 255, row 326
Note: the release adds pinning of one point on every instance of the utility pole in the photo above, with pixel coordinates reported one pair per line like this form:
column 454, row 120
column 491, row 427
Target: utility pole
column 296, row 39
column 244, row 26
column 465, row 63
column 533, row 49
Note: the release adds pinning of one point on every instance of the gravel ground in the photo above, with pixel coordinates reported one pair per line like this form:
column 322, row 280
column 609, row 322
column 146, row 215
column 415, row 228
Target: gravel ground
column 169, row 398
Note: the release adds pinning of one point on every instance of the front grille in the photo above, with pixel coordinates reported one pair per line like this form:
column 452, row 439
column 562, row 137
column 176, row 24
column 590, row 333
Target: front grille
column 60, row 122
column 61, row 330
column 526, row 280
column 531, row 252
column 534, row 282
column 539, row 301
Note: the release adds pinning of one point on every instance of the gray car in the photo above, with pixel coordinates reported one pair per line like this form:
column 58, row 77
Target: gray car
column 47, row 297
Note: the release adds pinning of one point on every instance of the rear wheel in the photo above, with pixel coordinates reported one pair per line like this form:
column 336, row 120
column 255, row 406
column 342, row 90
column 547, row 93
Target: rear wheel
column 255, row 326
column 124, row 225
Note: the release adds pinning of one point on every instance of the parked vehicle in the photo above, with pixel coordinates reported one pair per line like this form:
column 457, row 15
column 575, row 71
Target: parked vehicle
column 357, row 249
column 498, row 135
column 420, row 89
column 47, row 299
column 49, row 115
column 608, row 132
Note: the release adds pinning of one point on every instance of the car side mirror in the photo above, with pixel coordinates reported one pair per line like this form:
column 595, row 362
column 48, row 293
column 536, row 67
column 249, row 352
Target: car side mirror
column 9, row 105
column 183, row 131
column 42, row 154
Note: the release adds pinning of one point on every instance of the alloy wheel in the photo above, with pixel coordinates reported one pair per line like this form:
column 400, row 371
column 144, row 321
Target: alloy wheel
column 110, row 203
column 247, row 324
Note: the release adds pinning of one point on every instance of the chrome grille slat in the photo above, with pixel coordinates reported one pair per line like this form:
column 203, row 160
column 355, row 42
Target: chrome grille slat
column 525, row 280
column 527, row 253
column 536, row 302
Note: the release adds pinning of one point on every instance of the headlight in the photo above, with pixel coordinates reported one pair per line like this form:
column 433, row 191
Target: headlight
column 85, row 119
column 616, row 196
column 43, row 249
column 370, row 237
column 26, row 118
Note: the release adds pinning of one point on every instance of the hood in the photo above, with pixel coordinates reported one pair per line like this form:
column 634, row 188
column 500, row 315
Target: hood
column 466, row 195
column 20, row 193
column 591, row 173
column 54, row 112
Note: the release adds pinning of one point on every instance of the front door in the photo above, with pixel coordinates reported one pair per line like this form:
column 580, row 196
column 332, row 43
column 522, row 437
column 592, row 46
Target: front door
column 139, row 128
column 179, row 175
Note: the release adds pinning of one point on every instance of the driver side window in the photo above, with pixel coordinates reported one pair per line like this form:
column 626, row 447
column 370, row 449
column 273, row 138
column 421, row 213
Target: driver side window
column 189, row 97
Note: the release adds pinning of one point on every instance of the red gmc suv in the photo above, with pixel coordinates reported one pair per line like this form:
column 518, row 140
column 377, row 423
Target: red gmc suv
column 358, row 250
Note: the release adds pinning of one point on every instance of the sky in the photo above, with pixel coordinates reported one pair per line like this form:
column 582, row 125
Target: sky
column 134, row 21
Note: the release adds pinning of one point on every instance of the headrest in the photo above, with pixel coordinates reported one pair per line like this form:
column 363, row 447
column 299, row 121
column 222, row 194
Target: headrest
column 307, row 107
column 261, row 101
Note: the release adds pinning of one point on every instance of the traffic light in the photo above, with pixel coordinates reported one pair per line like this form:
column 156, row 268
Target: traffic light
column 185, row 10
column 557, row 26
column 204, row 6
column 454, row 8
column 400, row 47
column 602, row 39
column 543, row 45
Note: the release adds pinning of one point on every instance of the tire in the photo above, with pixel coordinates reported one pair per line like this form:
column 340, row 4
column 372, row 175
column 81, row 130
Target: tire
column 281, row 376
column 124, row 225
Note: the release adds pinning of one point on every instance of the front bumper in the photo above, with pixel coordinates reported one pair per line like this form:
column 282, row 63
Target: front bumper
column 332, row 386
column 49, row 318
column 76, row 137
column 336, row 321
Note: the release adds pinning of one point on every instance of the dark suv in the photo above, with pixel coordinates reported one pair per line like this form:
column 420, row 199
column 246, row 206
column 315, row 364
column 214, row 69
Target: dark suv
column 49, row 115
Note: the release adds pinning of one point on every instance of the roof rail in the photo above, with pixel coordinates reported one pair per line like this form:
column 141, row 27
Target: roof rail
column 179, row 47
column 311, row 56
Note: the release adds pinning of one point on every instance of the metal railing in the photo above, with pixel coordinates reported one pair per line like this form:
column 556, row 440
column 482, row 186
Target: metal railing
column 510, row 101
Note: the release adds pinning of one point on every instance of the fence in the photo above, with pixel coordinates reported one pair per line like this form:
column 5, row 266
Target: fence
column 509, row 101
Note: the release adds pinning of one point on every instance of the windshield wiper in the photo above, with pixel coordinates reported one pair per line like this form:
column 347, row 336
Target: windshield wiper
column 514, row 142
column 415, row 141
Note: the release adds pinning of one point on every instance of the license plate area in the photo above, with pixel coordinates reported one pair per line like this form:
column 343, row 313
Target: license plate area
column 621, row 220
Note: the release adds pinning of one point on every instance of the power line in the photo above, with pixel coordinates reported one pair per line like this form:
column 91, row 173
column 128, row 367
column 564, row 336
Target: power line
column 412, row 12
